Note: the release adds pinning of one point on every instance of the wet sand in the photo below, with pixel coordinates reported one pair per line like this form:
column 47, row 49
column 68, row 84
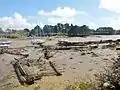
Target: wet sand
column 73, row 65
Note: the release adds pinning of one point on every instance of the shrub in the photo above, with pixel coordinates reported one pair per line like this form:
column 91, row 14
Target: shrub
column 109, row 79
column 12, row 36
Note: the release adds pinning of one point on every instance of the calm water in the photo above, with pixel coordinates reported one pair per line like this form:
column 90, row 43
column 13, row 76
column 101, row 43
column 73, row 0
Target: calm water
column 94, row 38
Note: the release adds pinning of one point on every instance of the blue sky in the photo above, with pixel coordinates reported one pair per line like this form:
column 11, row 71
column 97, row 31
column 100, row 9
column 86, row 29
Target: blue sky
column 19, row 14
column 27, row 7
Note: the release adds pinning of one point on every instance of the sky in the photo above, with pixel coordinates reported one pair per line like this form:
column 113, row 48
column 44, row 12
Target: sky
column 20, row 14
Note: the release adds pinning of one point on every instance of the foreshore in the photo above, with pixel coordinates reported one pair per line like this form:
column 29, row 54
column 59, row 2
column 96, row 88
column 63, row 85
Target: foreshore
column 73, row 63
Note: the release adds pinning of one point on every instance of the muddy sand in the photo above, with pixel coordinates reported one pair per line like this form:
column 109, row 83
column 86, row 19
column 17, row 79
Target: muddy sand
column 73, row 64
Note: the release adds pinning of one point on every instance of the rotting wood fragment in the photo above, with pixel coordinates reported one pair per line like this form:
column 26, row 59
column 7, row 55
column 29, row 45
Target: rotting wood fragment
column 53, row 66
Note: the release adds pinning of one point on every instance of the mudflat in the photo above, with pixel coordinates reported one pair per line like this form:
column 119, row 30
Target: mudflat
column 74, row 64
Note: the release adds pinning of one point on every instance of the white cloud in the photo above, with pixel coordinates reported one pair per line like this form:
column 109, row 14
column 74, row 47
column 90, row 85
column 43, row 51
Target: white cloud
column 15, row 22
column 111, row 5
column 61, row 15
column 65, row 12
column 114, row 22
column 111, row 22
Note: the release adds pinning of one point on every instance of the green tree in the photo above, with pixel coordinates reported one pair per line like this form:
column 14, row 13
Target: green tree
column 27, row 32
column 37, row 31
column 1, row 31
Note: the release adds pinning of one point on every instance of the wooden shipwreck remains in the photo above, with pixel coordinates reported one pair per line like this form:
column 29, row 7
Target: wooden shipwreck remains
column 78, row 45
column 70, row 43
column 28, row 71
column 13, row 51
column 81, row 43
column 71, row 47
column 47, row 56
column 21, row 74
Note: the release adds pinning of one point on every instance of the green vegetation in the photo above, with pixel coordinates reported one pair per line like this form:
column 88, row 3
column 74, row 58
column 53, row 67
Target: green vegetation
column 109, row 79
column 78, row 86
column 59, row 30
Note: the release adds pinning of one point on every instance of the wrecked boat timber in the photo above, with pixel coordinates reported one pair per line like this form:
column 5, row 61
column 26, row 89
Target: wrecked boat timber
column 13, row 51
column 28, row 71
column 21, row 74
column 82, row 43
column 71, row 47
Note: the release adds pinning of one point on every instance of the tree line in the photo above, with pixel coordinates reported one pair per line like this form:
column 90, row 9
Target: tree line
column 60, row 29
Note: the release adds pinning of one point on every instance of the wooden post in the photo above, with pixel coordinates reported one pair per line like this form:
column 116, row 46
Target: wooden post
column 53, row 67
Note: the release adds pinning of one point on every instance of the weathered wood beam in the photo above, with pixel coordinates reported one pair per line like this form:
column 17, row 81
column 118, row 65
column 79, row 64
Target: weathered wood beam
column 53, row 67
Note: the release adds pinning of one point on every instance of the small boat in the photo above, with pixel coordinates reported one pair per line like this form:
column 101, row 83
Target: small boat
column 5, row 43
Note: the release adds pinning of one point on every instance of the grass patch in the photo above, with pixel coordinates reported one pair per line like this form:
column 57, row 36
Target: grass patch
column 78, row 86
